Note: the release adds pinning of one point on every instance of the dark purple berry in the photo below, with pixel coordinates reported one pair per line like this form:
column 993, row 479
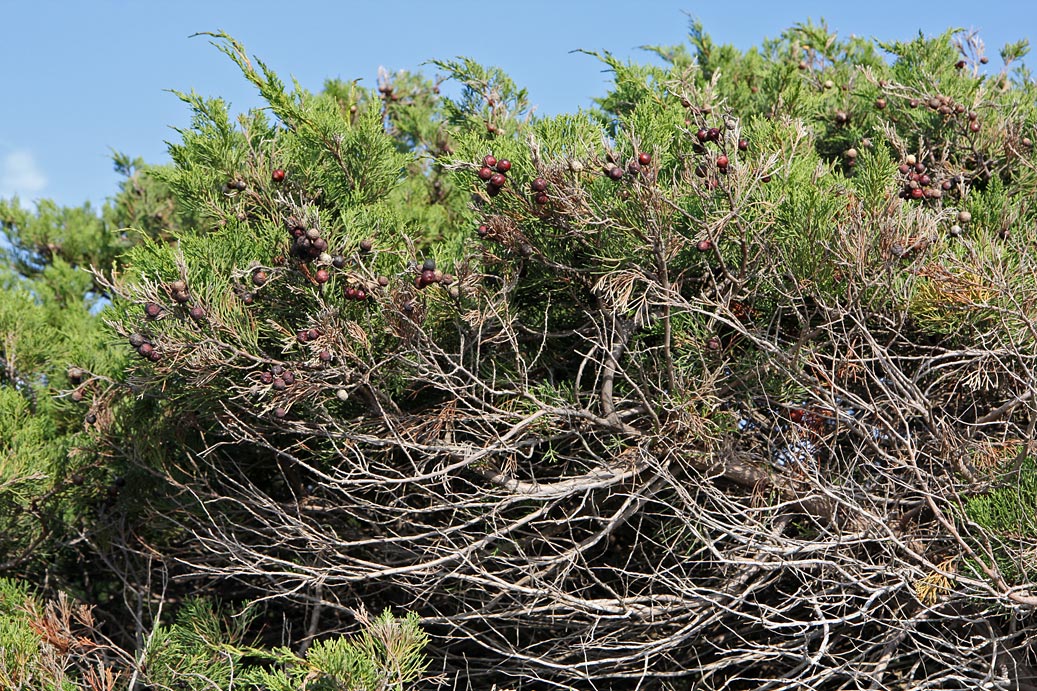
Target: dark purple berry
column 485, row 173
column 538, row 185
column 266, row 377
column 278, row 175
column 197, row 313
column 313, row 334
column 288, row 378
column 489, row 161
column 322, row 276
column 704, row 245
column 366, row 245
column 152, row 310
column 277, row 384
column 503, row 165
column 339, row 262
column 498, row 180
column 644, row 159
column 615, row 172
column 136, row 340
column 259, row 278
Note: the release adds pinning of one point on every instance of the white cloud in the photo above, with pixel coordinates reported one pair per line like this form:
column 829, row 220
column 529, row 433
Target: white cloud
column 21, row 175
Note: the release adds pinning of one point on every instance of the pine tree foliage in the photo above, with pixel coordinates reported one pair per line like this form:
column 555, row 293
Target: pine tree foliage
column 725, row 383
column 57, row 646
column 56, row 364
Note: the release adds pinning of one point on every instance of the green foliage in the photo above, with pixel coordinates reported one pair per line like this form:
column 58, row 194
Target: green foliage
column 19, row 644
column 1009, row 514
column 204, row 650
column 386, row 655
column 54, row 647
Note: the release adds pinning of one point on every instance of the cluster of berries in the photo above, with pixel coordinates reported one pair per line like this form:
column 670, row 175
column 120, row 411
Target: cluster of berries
column 178, row 291
column 917, row 184
column 308, row 243
column 307, row 335
column 144, row 347
column 712, row 134
column 706, row 135
column 494, row 180
column 635, row 166
column 357, row 293
column 963, row 218
column 277, row 378
column 75, row 377
column 539, row 187
column 430, row 275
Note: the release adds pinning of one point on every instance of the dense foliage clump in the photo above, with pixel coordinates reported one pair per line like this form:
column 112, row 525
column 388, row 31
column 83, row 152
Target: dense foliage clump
column 725, row 383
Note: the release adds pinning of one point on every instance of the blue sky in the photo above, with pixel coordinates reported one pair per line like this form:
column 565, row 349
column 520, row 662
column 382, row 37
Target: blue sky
column 84, row 78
